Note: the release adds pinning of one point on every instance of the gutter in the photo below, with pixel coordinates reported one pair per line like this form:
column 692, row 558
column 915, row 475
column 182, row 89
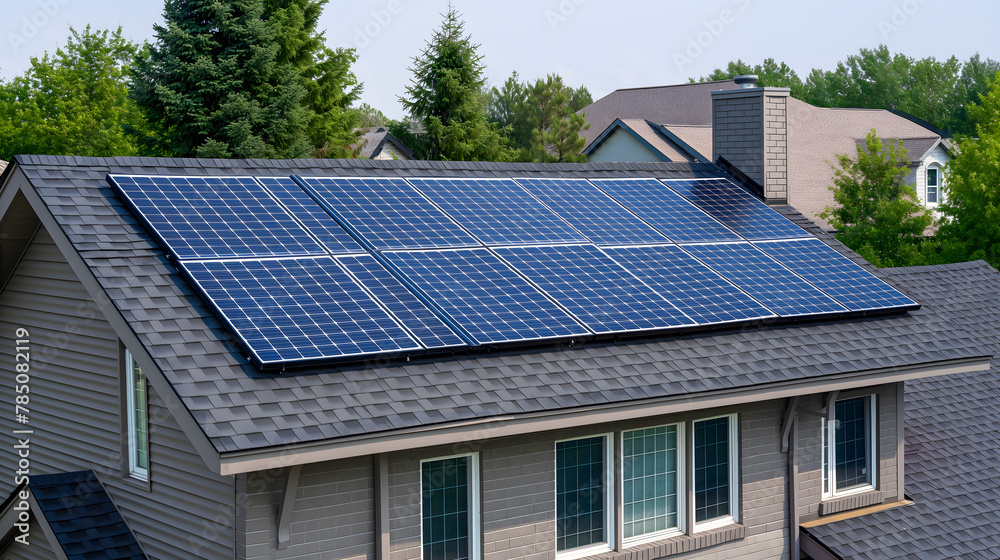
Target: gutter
column 238, row 462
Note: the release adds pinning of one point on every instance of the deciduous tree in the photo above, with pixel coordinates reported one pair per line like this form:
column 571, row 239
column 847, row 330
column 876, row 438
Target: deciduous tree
column 877, row 213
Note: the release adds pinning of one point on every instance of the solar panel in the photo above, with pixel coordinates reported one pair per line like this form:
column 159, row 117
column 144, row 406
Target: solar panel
column 484, row 296
column 425, row 325
column 389, row 213
column 692, row 287
column 498, row 211
column 666, row 210
column 597, row 290
column 215, row 217
column 736, row 208
column 291, row 310
column 311, row 215
column 835, row 274
column 770, row 283
column 593, row 213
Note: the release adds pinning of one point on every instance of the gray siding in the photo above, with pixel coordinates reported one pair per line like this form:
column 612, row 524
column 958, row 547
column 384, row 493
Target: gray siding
column 333, row 517
column 75, row 414
column 38, row 546
column 810, row 450
column 622, row 146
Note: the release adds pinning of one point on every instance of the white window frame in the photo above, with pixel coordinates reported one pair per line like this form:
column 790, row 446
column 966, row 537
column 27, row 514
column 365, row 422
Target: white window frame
column 610, row 502
column 475, row 539
column 927, row 186
column 734, row 490
column 830, row 446
column 682, row 488
column 135, row 470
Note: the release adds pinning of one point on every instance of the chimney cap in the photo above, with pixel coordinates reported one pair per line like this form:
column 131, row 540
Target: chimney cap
column 746, row 81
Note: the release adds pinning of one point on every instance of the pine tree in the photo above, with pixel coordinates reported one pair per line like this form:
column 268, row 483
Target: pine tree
column 877, row 212
column 331, row 88
column 556, row 137
column 445, row 97
column 212, row 85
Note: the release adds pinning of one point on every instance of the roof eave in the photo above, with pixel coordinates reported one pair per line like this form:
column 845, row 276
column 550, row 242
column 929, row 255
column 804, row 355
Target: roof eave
column 477, row 430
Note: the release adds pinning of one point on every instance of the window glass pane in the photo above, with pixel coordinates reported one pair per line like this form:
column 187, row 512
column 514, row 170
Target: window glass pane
column 932, row 196
column 932, row 177
column 444, row 488
column 711, row 469
column 649, row 480
column 141, row 423
column 851, row 441
column 580, row 492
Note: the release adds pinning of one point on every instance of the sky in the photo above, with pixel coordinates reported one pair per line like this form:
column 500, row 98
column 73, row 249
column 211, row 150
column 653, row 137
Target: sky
column 602, row 44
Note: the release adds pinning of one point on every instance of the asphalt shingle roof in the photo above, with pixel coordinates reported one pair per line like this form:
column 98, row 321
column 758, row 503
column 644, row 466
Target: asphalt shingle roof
column 239, row 408
column 83, row 517
column 952, row 442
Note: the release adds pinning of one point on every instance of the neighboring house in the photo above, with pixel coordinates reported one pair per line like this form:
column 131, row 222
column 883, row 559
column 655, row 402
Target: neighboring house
column 3, row 165
column 669, row 123
column 694, row 443
column 377, row 143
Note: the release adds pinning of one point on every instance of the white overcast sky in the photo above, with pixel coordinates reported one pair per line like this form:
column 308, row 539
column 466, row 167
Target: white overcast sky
column 603, row 44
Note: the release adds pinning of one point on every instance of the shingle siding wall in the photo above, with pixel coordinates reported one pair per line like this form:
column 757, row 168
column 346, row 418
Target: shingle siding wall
column 810, row 450
column 74, row 412
column 333, row 516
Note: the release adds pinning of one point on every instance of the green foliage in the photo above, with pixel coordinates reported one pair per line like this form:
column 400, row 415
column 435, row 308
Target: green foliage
column 972, row 190
column 769, row 74
column 212, row 84
column 445, row 97
column 74, row 102
column 369, row 116
column 541, row 117
column 331, row 88
column 877, row 212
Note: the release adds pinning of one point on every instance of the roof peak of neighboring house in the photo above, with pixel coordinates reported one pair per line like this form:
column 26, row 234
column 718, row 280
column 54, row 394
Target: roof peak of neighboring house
column 689, row 84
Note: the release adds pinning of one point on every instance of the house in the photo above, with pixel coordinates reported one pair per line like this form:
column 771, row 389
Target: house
column 377, row 143
column 692, row 122
column 701, row 439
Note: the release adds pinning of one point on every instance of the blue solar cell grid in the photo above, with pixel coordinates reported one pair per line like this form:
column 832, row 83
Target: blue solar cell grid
column 691, row 286
column 760, row 276
column 592, row 212
column 216, row 217
column 484, row 296
column 594, row 288
column 835, row 274
column 290, row 310
column 389, row 213
column 312, row 215
column 736, row 208
column 425, row 325
column 666, row 210
column 498, row 211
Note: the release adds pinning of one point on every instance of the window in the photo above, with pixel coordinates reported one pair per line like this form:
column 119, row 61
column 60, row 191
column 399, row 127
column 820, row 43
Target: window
column 137, row 422
column 449, row 496
column 715, row 461
column 583, row 496
column 933, row 184
column 849, row 447
column 652, row 463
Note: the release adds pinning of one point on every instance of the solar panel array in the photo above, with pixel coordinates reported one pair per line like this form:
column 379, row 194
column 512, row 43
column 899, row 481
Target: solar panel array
column 316, row 269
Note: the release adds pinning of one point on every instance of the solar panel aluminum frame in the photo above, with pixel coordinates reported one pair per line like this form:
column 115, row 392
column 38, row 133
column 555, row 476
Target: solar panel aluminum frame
column 709, row 326
column 606, row 334
column 852, row 312
column 783, row 318
column 280, row 366
column 357, row 235
column 170, row 253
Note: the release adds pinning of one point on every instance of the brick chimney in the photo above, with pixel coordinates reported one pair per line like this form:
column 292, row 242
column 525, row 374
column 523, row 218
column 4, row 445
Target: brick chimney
column 750, row 130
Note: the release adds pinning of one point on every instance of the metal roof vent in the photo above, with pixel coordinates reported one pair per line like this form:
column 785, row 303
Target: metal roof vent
column 747, row 81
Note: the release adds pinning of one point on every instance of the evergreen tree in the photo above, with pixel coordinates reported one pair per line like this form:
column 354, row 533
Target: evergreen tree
column 212, row 85
column 74, row 102
column 556, row 136
column 972, row 190
column 445, row 97
column 877, row 212
column 331, row 88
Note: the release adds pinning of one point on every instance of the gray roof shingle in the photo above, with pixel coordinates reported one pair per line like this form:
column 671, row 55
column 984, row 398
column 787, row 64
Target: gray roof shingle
column 952, row 443
column 239, row 408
